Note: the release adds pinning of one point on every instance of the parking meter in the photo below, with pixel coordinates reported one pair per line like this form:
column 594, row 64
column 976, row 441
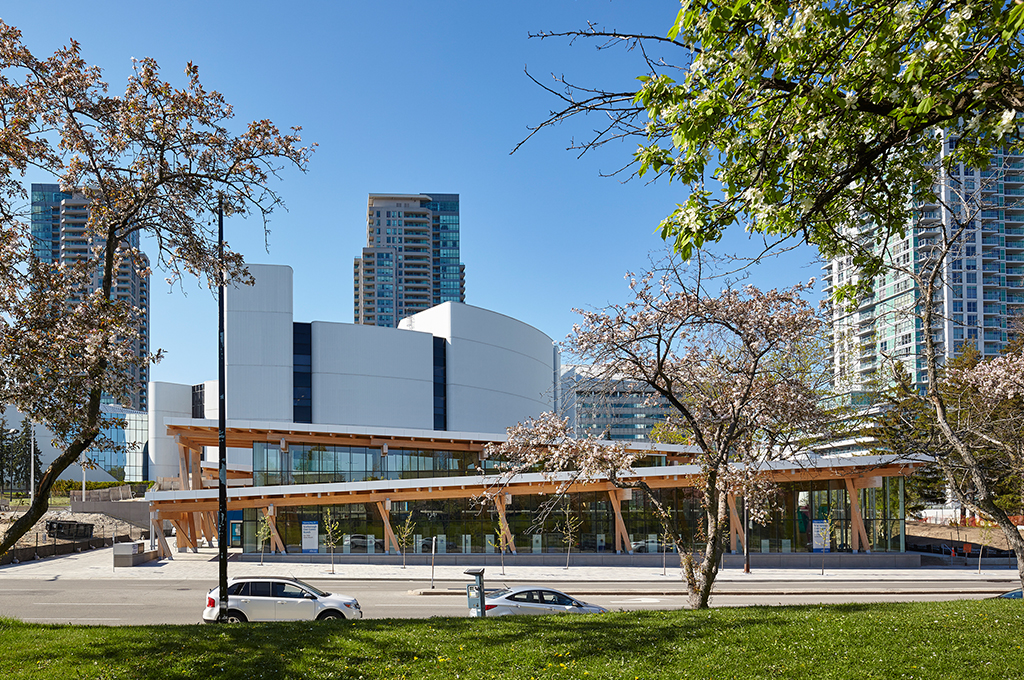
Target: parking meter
column 475, row 593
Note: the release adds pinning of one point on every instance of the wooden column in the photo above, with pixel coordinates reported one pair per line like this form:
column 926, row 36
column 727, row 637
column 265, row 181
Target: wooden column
column 389, row 535
column 184, row 536
column 856, row 519
column 737, row 531
column 621, row 535
column 156, row 529
column 183, row 467
column 506, row 540
column 275, row 538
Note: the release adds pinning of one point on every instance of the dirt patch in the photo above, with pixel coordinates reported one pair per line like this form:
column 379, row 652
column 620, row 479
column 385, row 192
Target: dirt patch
column 104, row 526
column 955, row 535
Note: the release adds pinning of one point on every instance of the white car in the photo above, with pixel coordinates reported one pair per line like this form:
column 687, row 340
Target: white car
column 269, row 598
column 528, row 600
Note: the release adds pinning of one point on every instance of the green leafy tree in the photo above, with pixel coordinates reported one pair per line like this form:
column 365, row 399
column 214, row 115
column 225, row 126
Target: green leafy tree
column 904, row 425
column 802, row 120
column 404, row 534
column 157, row 160
column 263, row 536
column 332, row 531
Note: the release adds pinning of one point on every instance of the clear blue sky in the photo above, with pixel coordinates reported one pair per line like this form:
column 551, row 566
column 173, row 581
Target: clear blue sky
column 406, row 96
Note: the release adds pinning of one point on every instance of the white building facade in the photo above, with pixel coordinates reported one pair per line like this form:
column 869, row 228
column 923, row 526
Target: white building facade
column 453, row 367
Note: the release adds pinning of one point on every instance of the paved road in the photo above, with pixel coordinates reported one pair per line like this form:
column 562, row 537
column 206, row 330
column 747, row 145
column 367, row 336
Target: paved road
column 144, row 601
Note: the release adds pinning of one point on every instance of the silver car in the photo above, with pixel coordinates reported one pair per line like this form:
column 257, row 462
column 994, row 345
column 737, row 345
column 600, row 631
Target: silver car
column 529, row 600
column 269, row 598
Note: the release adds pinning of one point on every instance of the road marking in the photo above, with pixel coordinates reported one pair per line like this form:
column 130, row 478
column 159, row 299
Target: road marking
column 92, row 604
column 83, row 618
column 637, row 600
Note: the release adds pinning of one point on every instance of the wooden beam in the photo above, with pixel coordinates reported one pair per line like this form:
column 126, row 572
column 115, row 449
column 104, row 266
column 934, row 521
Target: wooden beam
column 211, row 519
column 389, row 535
column 856, row 519
column 183, row 467
column 736, row 528
column 275, row 538
column 196, row 468
column 506, row 540
column 621, row 535
column 185, row 540
column 156, row 530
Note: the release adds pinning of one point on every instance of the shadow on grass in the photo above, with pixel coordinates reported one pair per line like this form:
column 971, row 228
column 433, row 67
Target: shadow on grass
column 376, row 647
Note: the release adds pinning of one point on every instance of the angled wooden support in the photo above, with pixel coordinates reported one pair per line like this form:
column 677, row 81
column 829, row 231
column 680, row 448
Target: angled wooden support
column 211, row 521
column 275, row 538
column 156, row 529
column 737, row 532
column 506, row 541
column 181, row 531
column 389, row 535
column 856, row 519
column 622, row 543
column 195, row 468
column 183, row 467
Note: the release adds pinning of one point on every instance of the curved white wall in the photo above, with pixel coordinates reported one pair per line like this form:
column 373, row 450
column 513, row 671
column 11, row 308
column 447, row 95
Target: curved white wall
column 500, row 371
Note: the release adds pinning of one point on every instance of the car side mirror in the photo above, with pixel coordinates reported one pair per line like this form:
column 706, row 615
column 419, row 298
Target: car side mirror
column 310, row 596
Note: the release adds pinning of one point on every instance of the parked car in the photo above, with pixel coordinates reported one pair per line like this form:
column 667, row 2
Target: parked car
column 360, row 543
column 529, row 600
column 1012, row 595
column 260, row 598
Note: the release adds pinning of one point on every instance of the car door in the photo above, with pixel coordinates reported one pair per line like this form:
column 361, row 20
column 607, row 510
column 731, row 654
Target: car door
column 529, row 602
column 292, row 602
column 258, row 602
column 557, row 602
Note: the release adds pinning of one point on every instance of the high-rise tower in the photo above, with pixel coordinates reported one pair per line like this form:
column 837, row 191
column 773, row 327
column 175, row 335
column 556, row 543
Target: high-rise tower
column 59, row 234
column 411, row 259
column 980, row 215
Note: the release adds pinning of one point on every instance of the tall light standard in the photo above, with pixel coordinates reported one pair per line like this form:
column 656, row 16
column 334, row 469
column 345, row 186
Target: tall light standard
column 222, row 486
column 9, row 455
column 32, row 462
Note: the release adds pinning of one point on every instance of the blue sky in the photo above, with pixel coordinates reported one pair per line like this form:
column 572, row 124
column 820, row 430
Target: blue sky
column 405, row 97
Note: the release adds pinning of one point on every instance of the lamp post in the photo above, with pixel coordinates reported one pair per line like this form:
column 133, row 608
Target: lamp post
column 32, row 462
column 222, row 486
column 11, row 431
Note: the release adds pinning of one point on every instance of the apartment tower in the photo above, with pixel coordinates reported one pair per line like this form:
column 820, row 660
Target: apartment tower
column 59, row 234
column 411, row 261
column 982, row 279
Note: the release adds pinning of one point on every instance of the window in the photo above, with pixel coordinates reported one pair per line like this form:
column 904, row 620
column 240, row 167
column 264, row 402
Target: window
column 972, row 306
column 259, row 589
column 972, row 292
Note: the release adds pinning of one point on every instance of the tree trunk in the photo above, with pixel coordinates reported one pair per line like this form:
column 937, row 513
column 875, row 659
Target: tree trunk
column 701, row 580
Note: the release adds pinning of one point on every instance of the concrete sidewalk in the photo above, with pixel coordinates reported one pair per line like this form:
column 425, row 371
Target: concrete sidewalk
column 203, row 566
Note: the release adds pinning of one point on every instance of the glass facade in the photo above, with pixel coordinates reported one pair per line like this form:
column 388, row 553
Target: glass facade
column 464, row 527
column 302, row 372
column 127, row 458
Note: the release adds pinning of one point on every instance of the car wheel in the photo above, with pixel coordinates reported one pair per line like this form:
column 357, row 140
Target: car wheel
column 235, row 616
column 330, row 615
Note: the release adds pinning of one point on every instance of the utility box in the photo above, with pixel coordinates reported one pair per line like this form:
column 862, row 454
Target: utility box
column 475, row 593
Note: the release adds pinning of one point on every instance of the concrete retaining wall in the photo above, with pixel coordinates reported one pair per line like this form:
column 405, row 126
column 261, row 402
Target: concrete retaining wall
column 135, row 512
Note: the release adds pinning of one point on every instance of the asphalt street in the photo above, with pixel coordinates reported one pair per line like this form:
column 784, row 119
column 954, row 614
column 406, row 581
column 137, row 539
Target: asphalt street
column 86, row 589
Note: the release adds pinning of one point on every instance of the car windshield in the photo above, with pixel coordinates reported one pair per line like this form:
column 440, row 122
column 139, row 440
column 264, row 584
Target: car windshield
column 313, row 589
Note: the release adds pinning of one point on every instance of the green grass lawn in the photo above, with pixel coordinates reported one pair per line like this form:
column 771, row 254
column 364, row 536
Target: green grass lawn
column 967, row 639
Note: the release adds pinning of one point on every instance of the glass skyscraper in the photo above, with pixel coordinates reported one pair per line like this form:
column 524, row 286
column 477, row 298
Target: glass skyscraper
column 59, row 234
column 411, row 261
column 982, row 278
